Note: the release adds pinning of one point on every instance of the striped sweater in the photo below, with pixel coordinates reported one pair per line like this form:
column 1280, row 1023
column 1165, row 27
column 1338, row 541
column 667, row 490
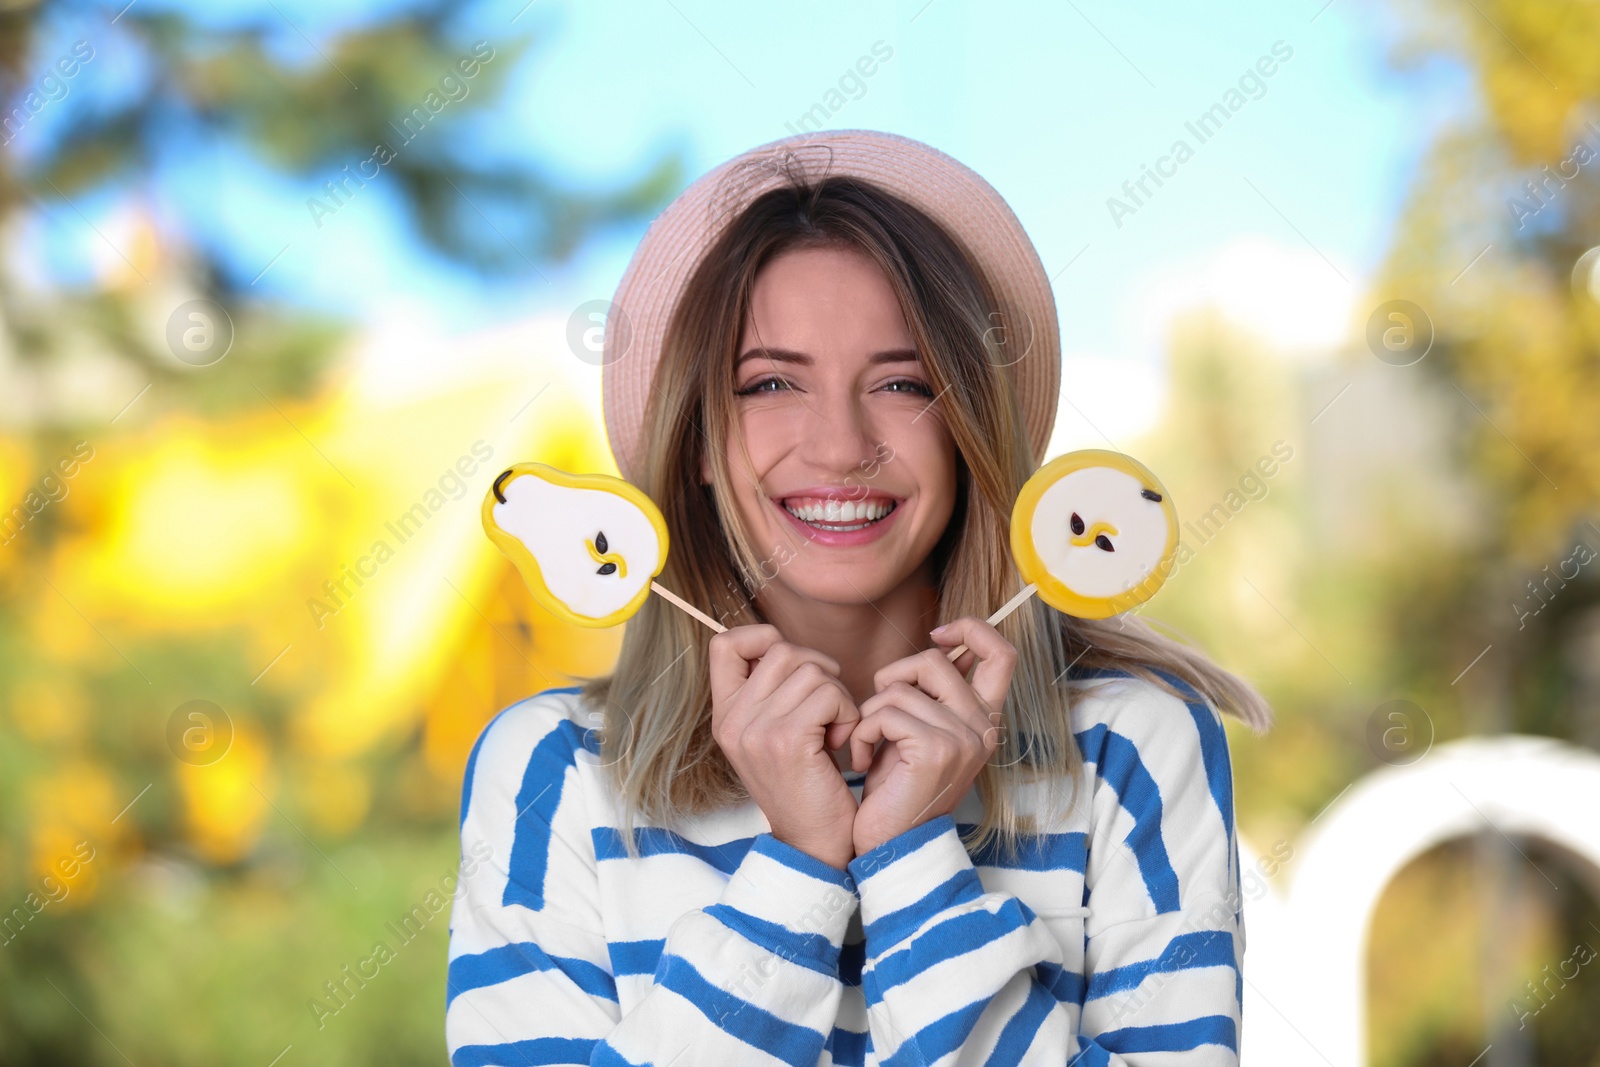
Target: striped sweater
column 1116, row 939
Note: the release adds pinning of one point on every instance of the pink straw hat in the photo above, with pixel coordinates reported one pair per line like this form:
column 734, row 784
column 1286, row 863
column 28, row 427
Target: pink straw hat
column 968, row 208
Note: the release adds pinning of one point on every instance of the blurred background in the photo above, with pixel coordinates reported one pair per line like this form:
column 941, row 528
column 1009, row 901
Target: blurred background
column 283, row 285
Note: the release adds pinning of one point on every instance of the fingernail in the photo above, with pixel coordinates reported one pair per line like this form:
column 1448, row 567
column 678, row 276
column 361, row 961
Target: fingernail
column 940, row 629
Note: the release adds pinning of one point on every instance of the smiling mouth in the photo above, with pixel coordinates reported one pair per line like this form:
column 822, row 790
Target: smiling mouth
column 839, row 517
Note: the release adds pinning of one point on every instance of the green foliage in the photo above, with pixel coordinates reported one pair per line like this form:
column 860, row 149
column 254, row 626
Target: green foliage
column 156, row 953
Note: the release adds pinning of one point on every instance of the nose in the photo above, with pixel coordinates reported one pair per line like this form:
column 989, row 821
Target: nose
column 841, row 436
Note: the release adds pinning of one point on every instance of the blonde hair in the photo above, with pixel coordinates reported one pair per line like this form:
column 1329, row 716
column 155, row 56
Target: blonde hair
column 656, row 704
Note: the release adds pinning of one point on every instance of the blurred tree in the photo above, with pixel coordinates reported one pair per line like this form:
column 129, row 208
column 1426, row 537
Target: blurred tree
column 1498, row 244
column 78, row 740
column 1495, row 244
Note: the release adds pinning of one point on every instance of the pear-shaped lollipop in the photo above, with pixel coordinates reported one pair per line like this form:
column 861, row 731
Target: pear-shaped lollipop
column 1094, row 533
column 588, row 545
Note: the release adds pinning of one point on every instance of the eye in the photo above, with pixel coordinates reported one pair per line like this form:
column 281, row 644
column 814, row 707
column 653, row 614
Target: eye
column 916, row 386
column 761, row 387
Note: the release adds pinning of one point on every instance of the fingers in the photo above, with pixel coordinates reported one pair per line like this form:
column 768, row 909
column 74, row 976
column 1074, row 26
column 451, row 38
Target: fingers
column 969, row 730
column 784, row 682
column 997, row 657
column 794, row 696
column 839, row 732
column 935, row 677
column 929, row 671
column 732, row 654
column 917, row 723
column 907, row 697
column 828, row 706
column 887, row 723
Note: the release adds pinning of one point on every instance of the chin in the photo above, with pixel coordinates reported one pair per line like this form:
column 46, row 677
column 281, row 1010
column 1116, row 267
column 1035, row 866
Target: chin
column 827, row 585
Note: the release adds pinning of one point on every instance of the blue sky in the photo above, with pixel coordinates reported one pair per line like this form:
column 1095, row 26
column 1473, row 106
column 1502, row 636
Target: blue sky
column 1056, row 105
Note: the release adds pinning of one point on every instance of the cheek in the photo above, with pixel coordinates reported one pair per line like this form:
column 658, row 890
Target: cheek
column 926, row 447
column 770, row 430
column 746, row 479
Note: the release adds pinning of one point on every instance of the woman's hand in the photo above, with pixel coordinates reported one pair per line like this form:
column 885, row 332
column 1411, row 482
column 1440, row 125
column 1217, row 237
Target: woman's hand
column 938, row 731
column 777, row 723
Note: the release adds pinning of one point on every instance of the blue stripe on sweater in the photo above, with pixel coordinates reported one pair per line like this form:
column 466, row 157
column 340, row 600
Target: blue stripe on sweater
column 542, row 782
column 636, row 957
column 803, row 862
column 1021, row 1028
column 956, row 936
column 472, row 757
column 606, row 1056
column 1213, row 739
column 1213, row 749
column 505, row 962
column 1056, row 852
column 1172, row 1037
column 1066, row 986
column 1090, row 1054
column 848, row 1048
column 896, row 926
column 808, row 950
column 939, row 1038
column 1201, row 948
column 659, row 841
column 738, row 1017
column 876, row 859
column 1119, row 766
column 533, row 1052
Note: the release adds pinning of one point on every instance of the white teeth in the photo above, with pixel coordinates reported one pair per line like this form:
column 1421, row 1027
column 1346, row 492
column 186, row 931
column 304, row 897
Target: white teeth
column 833, row 512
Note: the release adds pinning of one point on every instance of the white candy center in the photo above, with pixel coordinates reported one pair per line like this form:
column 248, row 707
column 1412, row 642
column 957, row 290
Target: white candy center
column 1099, row 495
column 558, row 523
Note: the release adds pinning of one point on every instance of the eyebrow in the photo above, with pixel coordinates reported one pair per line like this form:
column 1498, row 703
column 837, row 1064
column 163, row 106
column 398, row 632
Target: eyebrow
column 789, row 355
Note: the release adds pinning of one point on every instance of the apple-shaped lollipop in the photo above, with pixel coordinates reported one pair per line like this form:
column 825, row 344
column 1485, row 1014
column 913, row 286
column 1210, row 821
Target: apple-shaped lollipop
column 1094, row 533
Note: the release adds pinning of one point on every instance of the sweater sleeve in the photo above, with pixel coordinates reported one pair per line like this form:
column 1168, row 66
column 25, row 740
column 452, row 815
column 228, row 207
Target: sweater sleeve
column 957, row 975
column 749, row 979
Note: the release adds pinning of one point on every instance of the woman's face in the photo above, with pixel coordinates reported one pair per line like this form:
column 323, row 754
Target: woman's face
column 854, row 472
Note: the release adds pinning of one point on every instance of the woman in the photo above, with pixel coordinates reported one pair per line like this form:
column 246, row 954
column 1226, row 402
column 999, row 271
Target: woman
column 813, row 839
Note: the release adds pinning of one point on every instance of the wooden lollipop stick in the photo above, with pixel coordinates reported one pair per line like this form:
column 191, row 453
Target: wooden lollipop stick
column 686, row 606
column 1011, row 605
